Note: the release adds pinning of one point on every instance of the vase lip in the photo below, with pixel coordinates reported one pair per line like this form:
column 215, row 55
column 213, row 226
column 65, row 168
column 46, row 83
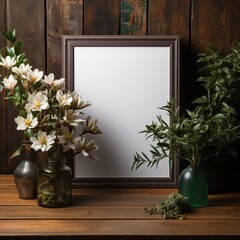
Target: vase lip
column 52, row 155
column 194, row 168
column 26, row 143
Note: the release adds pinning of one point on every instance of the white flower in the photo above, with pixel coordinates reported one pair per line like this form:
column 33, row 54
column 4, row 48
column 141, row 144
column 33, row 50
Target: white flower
column 22, row 70
column 24, row 123
column 43, row 141
column 71, row 117
column 33, row 76
column 92, row 126
column 63, row 99
column 87, row 149
column 68, row 140
column 8, row 62
column 37, row 102
column 10, row 82
column 53, row 84
column 78, row 101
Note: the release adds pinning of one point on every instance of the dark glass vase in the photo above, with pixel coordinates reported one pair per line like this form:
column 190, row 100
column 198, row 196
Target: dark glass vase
column 54, row 182
column 193, row 183
column 25, row 174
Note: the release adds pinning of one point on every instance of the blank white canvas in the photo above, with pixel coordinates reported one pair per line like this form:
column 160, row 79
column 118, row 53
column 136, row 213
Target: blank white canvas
column 126, row 86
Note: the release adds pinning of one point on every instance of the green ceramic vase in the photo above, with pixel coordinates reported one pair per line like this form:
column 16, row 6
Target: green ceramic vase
column 193, row 183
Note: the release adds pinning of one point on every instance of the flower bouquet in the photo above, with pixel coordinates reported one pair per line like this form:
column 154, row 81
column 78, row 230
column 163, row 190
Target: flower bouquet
column 50, row 116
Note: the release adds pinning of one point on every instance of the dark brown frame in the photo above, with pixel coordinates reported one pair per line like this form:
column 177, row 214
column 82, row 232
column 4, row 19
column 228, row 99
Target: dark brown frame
column 69, row 42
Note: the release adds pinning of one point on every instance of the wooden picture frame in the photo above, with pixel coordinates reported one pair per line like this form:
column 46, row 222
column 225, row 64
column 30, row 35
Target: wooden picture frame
column 127, row 78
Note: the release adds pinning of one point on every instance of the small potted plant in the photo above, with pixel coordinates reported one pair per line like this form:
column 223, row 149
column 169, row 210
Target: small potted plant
column 202, row 132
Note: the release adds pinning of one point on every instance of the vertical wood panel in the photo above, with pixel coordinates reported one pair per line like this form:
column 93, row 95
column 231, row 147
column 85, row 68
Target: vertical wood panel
column 27, row 16
column 209, row 22
column 171, row 17
column 3, row 120
column 134, row 17
column 233, row 36
column 233, row 20
column 101, row 17
column 63, row 17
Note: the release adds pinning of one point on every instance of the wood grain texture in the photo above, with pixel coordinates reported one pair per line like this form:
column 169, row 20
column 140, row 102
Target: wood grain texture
column 28, row 19
column 233, row 17
column 109, row 213
column 101, row 17
column 233, row 36
column 207, row 29
column 134, row 17
column 115, row 214
column 63, row 18
column 168, row 17
column 3, row 109
column 161, row 228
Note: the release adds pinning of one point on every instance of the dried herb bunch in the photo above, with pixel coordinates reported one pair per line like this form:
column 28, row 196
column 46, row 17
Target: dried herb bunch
column 172, row 208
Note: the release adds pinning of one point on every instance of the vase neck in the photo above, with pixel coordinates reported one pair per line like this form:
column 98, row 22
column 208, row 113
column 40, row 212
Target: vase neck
column 28, row 154
column 51, row 161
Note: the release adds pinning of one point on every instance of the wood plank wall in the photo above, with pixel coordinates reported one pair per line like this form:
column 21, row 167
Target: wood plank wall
column 41, row 23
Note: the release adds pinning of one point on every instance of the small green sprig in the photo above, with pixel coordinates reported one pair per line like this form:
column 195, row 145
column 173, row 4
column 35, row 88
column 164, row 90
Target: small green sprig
column 172, row 208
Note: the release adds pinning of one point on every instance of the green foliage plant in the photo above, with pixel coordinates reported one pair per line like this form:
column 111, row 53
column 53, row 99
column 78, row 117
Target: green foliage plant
column 210, row 127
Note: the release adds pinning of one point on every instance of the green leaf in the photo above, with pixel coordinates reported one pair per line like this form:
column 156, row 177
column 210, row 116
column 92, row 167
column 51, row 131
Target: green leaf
column 201, row 100
column 14, row 35
column 10, row 52
column 218, row 116
column 1, row 87
column 18, row 47
column 15, row 154
column 55, row 105
column 197, row 126
column 23, row 113
column 9, row 98
column 20, row 59
column 205, row 69
column 10, row 35
column 28, row 133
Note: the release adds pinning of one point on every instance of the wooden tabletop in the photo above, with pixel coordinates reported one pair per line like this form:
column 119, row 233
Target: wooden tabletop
column 114, row 214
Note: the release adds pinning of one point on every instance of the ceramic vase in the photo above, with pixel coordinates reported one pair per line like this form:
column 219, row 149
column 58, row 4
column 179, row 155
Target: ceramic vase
column 193, row 183
column 25, row 174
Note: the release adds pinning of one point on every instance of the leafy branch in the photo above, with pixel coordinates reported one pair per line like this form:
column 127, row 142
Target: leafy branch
column 204, row 131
